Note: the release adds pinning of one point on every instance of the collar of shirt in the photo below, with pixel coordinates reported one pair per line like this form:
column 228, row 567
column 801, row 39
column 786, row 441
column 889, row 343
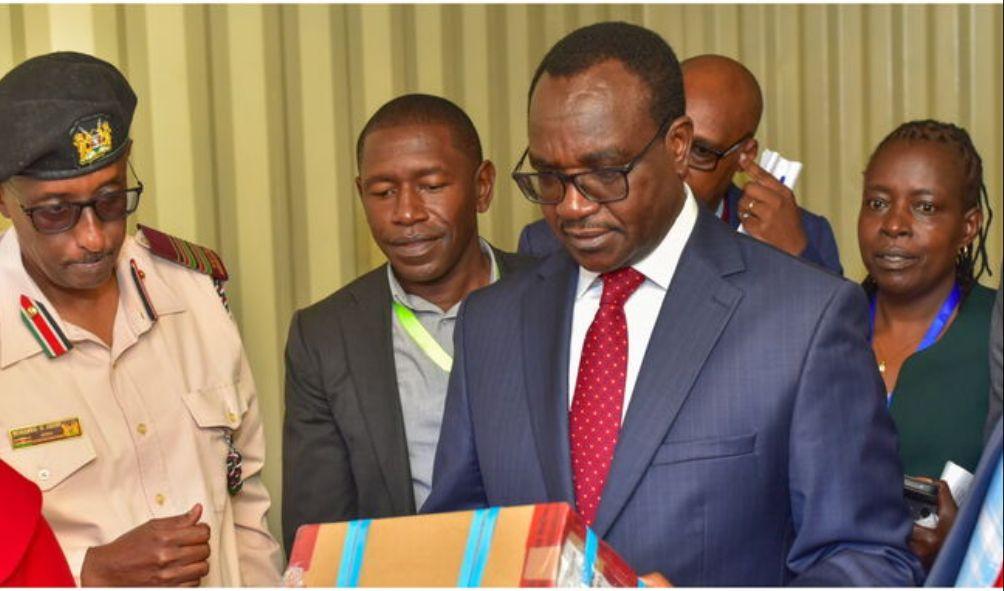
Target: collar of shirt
column 17, row 342
column 420, row 304
column 641, row 309
column 660, row 264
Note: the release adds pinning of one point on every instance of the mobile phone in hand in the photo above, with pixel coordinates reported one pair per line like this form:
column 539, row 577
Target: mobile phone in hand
column 921, row 497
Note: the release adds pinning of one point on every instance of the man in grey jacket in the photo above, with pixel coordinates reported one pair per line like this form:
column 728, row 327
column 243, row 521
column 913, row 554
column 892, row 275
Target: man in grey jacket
column 367, row 367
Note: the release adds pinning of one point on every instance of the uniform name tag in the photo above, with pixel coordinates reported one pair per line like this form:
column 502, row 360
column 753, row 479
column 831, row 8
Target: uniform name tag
column 45, row 433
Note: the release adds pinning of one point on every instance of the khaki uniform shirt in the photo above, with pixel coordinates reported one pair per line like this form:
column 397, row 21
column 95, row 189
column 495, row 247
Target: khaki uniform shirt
column 153, row 412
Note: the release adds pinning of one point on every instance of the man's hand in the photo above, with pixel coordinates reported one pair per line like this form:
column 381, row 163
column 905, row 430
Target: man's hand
column 926, row 542
column 768, row 211
column 170, row 552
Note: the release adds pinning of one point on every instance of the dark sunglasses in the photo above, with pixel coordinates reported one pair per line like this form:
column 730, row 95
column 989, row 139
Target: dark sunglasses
column 60, row 217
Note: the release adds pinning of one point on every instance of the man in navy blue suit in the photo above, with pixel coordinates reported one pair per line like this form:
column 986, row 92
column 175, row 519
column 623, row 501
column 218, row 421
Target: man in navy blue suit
column 708, row 404
column 725, row 103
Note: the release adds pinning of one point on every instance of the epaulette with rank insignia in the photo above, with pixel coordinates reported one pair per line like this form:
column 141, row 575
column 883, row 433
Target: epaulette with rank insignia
column 199, row 258
column 195, row 257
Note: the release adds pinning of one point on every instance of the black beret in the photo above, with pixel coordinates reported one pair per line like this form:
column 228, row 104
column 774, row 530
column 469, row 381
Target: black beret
column 63, row 115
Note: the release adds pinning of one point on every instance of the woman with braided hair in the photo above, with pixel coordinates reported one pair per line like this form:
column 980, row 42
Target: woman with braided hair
column 922, row 231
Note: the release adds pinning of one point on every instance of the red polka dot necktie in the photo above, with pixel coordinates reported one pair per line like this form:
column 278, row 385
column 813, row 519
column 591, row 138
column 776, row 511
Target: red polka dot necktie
column 595, row 419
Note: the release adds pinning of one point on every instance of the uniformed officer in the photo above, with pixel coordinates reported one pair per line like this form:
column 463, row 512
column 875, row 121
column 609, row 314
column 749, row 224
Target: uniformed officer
column 125, row 393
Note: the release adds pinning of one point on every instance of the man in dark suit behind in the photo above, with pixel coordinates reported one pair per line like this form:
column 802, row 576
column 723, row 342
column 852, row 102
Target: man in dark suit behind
column 367, row 367
column 709, row 405
column 725, row 103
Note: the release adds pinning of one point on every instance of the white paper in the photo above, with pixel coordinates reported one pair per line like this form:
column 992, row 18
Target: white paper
column 958, row 479
column 786, row 171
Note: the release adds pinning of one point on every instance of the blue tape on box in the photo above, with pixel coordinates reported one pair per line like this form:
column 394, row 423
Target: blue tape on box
column 479, row 544
column 592, row 547
column 352, row 553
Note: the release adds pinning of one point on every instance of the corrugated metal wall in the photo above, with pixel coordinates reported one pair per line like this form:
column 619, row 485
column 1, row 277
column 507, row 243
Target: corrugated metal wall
column 248, row 114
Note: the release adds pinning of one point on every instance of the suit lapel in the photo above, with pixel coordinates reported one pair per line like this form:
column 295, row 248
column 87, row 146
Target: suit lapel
column 694, row 313
column 547, row 321
column 371, row 364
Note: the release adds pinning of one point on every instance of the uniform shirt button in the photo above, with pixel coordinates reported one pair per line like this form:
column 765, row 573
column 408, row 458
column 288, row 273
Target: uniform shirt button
column 232, row 417
column 44, row 474
column 159, row 499
column 141, row 428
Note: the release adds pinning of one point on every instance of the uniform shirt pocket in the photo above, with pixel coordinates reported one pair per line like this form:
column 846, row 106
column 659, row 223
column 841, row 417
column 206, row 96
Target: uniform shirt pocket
column 217, row 411
column 217, row 406
column 49, row 464
column 675, row 452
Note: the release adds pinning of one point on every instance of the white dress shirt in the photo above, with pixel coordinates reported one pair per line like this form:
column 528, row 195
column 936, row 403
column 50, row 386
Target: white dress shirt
column 641, row 309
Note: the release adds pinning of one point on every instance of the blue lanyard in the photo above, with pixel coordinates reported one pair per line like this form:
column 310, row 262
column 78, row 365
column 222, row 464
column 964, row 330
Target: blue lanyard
column 937, row 325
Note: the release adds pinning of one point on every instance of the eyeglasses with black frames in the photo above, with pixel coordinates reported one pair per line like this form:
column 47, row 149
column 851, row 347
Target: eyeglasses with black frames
column 705, row 158
column 60, row 217
column 601, row 185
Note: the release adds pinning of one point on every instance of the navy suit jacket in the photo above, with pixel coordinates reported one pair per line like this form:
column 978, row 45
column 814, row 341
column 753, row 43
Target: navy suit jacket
column 946, row 567
column 756, row 450
column 536, row 238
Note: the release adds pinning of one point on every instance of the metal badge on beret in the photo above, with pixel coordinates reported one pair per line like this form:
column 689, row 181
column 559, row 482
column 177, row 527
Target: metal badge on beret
column 63, row 115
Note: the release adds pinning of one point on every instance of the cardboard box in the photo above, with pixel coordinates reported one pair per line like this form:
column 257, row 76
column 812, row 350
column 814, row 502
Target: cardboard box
column 531, row 546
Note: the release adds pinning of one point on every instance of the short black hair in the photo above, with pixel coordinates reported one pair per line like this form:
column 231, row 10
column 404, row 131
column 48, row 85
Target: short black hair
column 643, row 52
column 423, row 109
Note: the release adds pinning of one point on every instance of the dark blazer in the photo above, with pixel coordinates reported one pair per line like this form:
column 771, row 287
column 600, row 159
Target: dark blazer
column 949, row 561
column 757, row 449
column 345, row 455
column 536, row 239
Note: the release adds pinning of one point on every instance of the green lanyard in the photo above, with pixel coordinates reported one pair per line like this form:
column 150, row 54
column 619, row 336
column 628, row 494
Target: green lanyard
column 421, row 337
